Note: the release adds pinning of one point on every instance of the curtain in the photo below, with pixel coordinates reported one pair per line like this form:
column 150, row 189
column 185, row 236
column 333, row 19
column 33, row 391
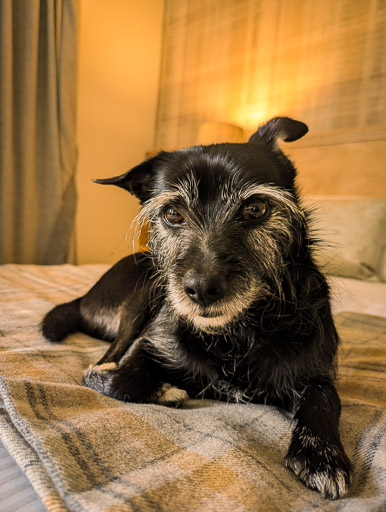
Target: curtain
column 38, row 152
column 244, row 61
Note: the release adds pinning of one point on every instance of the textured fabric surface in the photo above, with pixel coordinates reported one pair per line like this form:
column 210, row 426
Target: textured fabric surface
column 352, row 232
column 38, row 152
column 357, row 295
column 85, row 452
column 15, row 490
column 246, row 61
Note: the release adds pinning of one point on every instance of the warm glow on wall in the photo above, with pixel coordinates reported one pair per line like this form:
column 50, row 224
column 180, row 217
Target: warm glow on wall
column 118, row 91
column 247, row 61
column 251, row 116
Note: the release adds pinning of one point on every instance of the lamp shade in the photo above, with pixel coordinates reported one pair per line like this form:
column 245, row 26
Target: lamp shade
column 212, row 133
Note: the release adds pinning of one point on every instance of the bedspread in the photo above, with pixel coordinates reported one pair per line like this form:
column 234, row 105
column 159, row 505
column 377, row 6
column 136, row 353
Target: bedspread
column 82, row 451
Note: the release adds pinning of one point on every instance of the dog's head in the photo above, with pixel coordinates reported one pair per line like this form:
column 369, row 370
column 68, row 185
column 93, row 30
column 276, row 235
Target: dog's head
column 225, row 222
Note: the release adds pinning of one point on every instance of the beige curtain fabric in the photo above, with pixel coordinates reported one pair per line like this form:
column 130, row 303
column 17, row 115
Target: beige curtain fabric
column 245, row 61
column 38, row 153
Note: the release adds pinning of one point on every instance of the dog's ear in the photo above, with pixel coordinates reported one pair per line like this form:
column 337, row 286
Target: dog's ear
column 138, row 181
column 280, row 128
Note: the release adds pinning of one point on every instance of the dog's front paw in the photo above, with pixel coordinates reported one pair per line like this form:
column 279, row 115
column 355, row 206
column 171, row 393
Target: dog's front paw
column 127, row 385
column 171, row 396
column 320, row 465
column 100, row 378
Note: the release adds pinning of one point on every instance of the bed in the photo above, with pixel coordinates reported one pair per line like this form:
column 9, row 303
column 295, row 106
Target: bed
column 81, row 451
column 66, row 447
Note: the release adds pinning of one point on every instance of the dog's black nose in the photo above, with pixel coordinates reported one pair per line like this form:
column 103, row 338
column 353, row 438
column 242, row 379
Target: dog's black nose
column 204, row 289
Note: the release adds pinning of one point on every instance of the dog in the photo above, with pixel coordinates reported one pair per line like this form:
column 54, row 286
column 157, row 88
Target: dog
column 228, row 302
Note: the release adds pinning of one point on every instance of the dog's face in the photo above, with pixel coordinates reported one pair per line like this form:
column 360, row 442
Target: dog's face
column 224, row 220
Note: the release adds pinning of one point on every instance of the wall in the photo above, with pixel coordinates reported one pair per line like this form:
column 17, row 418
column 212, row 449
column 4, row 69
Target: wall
column 245, row 61
column 120, row 51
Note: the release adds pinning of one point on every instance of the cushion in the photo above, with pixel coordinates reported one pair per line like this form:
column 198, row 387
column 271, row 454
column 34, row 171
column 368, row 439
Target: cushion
column 352, row 234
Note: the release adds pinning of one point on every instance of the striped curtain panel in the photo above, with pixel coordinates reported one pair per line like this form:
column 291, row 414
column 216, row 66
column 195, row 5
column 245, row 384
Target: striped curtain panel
column 38, row 154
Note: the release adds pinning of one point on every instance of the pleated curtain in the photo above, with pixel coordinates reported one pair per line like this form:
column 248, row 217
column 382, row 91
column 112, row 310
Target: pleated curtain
column 38, row 152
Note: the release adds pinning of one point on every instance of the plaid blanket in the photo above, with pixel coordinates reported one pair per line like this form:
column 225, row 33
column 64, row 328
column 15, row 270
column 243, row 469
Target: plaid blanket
column 82, row 451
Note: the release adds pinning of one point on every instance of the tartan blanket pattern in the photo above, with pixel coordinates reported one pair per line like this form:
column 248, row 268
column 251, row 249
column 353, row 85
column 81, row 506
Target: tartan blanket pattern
column 82, row 451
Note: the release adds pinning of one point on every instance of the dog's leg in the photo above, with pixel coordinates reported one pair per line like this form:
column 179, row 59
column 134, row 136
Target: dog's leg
column 133, row 379
column 316, row 454
column 130, row 325
column 137, row 377
column 62, row 320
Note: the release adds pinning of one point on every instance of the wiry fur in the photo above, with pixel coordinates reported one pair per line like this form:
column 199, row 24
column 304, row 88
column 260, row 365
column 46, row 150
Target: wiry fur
column 224, row 305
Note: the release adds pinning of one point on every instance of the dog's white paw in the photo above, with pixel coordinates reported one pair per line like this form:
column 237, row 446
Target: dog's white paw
column 95, row 377
column 331, row 483
column 326, row 471
column 171, row 396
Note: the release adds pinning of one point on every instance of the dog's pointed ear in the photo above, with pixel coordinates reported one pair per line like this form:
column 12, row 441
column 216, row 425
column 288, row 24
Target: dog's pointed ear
column 280, row 128
column 138, row 181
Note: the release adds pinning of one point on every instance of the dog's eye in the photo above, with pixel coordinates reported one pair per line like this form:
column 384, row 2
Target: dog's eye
column 254, row 209
column 172, row 216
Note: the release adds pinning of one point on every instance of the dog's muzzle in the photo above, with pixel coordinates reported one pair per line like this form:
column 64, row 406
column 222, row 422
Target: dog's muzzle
column 205, row 288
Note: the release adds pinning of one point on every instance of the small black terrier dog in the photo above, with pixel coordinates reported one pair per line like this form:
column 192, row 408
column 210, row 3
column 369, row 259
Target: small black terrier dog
column 228, row 303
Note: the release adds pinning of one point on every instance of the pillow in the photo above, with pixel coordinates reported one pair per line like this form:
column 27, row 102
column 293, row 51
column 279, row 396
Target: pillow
column 352, row 231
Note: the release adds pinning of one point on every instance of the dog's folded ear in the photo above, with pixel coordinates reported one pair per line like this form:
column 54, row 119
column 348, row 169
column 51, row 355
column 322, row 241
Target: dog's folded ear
column 138, row 180
column 280, row 128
